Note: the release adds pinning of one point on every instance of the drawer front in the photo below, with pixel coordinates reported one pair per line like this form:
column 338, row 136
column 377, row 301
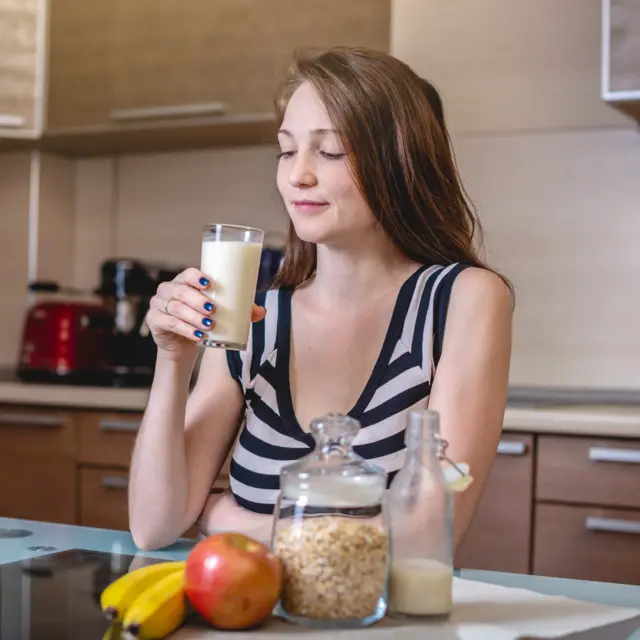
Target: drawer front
column 587, row 544
column 107, row 438
column 38, row 487
column 36, row 432
column 591, row 471
column 500, row 534
column 103, row 499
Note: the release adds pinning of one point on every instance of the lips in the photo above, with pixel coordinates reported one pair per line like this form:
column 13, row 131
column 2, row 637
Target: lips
column 309, row 206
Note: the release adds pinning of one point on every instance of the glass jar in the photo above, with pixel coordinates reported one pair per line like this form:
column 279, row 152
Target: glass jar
column 331, row 533
column 419, row 505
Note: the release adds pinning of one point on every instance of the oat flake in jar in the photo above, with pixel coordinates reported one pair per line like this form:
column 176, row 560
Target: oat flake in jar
column 331, row 532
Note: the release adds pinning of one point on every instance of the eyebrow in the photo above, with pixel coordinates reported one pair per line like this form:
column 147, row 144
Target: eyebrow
column 316, row 131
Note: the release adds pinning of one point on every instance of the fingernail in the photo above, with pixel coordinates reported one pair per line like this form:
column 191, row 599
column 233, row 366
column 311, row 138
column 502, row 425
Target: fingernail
column 207, row 322
column 204, row 282
column 198, row 333
column 208, row 306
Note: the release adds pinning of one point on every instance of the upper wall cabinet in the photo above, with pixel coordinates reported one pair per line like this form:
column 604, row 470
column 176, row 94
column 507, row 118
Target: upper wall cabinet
column 21, row 69
column 505, row 66
column 159, row 74
column 621, row 55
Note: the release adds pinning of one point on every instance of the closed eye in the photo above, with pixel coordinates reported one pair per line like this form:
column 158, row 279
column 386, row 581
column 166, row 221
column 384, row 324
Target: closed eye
column 331, row 156
column 285, row 154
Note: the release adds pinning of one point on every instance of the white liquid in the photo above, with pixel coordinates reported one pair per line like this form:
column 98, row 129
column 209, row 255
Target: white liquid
column 420, row 587
column 233, row 269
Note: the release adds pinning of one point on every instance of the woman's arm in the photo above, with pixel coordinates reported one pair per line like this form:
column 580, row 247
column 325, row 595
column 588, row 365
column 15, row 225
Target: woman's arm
column 470, row 385
column 181, row 446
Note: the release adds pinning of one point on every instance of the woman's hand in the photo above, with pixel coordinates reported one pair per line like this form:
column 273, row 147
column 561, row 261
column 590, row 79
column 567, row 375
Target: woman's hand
column 180, row 313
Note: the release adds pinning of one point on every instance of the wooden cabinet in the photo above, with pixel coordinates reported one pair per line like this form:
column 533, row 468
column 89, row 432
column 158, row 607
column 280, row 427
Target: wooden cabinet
column 587, row 543
column 621, row 55
column 504, row 66
column 80, row 73
column 154, row 74
column 20, row 67
column 37, row 464
column 499, row 538
column 587, row 513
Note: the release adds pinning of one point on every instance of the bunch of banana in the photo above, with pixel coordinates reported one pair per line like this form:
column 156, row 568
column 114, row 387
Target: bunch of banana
column 148, row 602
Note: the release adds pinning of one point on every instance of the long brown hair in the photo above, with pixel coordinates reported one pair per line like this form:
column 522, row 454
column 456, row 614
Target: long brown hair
column 392, row 125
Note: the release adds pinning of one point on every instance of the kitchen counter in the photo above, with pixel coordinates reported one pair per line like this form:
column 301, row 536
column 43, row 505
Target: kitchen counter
column 579, row 419
column 79, row 562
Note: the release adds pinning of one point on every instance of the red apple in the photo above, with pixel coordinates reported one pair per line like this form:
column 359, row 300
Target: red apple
column 232, row 580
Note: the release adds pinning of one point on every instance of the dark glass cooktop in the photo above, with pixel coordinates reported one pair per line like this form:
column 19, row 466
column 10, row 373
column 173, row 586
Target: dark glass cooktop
column 57, row 596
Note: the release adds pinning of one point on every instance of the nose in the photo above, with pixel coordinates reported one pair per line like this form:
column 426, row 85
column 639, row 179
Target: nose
column 303, row 171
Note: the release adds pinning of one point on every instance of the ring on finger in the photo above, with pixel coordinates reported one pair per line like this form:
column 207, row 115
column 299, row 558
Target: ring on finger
column 166, row 306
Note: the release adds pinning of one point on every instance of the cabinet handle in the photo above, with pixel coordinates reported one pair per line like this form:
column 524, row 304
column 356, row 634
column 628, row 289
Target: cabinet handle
column 511, row 448
column 606, row 454
column 114, row 482
column 30, row 420
column 612, row 525
column 11, row 121
column 120, row 426
column 169, row 111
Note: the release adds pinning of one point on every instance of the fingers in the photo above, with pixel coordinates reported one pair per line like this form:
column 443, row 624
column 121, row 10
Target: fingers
column 187, row 294
column 258, row 313
column 173, row 324
column 173, row 307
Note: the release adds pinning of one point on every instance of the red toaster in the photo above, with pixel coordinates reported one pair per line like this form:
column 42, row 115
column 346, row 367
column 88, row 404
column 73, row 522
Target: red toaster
column 66, row 340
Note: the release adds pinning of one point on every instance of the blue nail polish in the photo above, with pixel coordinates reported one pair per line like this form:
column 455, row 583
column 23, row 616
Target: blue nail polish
column 204, row 282
column 207, row 322
column 198, row 333
column 208, row 306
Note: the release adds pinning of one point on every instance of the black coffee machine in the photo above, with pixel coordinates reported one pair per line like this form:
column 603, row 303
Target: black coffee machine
column 126, row 287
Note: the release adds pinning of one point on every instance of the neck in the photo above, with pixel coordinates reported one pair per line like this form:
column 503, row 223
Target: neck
column 362, row 271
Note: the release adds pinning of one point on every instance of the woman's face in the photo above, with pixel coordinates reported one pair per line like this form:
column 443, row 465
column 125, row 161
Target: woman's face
column 321, row 196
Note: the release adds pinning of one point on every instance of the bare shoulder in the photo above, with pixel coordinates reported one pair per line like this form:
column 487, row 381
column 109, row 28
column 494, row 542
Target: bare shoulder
column 481, row 289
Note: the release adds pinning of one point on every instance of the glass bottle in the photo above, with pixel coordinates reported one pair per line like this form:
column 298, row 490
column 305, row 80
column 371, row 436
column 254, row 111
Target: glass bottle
column 331, row 532
column 419, row 504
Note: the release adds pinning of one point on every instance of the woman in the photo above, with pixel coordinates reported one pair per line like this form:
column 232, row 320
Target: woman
column 380, row 253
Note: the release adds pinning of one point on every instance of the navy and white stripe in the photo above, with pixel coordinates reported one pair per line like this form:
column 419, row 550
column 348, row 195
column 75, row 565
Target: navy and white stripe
column 401, row 379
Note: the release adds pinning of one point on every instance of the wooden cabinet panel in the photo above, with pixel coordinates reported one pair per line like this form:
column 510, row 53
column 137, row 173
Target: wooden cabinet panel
column 594, row 471
column 500, row 534
column 624, row 45
column 204, row 58
column 18, row 63
column 103, row 499
column 505, row 66
column 37, row 432
column 80, row 64
column 107, row 438
column 587, row 544
column 37, row 486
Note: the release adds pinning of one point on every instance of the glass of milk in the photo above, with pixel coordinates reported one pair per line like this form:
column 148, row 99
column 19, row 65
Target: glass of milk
column 231, row 260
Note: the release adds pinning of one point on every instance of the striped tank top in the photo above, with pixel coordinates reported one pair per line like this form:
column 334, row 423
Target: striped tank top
column 271, row 437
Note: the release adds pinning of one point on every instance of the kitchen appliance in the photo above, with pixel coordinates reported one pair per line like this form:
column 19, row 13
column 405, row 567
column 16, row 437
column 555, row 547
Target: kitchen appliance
column 65, row 340
column 126, row 288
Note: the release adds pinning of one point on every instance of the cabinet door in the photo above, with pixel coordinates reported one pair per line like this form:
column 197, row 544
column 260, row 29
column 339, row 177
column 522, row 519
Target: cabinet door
column 38, row 487
column 505, row 66
column 624, row 45
column 499, row 537
column 80, row 65
column 177, row 58
column 18, row 64
column 37, row 465
column 587, row 543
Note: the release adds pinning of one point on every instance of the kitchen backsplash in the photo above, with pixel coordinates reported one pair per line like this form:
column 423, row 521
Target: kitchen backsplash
column 561, row 211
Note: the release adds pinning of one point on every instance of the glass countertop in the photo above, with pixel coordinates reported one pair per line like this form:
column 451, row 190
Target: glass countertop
column 39, row 561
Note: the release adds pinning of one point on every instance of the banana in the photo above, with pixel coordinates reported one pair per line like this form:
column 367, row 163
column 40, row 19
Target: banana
column 158, row 610
column 120, row 594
